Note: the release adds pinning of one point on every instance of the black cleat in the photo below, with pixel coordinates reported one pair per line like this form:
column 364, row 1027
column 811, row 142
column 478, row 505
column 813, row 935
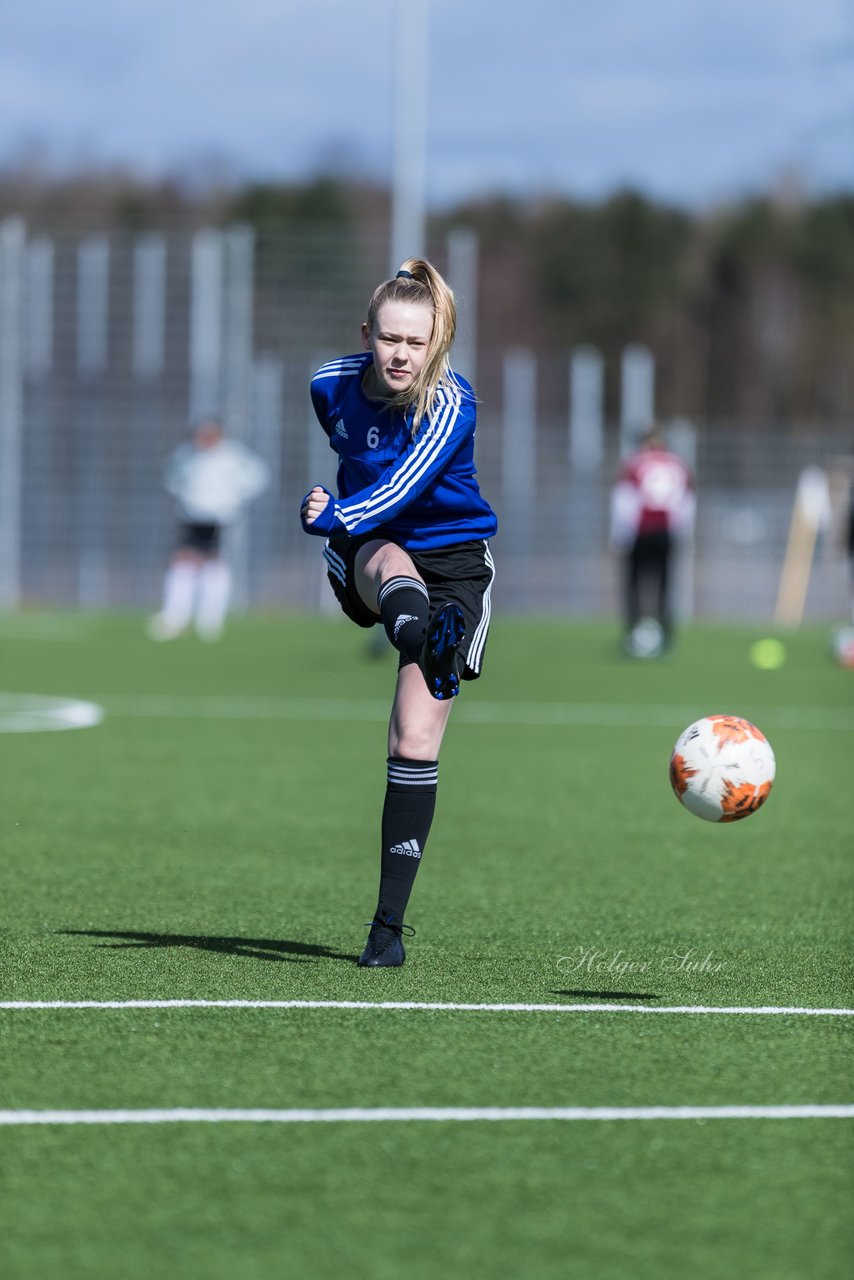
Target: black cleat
column 384, row 947
column 440, row 657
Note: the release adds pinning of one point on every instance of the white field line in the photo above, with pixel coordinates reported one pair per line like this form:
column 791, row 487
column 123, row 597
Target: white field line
column 441, row 1006
column 558, row 714
column 349, row 1115
column 17, row 626
column 37, row 713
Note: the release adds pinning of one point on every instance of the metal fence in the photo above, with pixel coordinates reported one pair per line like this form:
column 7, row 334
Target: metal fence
column 111, row 344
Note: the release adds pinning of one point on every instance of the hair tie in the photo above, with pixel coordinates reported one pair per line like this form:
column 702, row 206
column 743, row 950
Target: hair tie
column 405, row 275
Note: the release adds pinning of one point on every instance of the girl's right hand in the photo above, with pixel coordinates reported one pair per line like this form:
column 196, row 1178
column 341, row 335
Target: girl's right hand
column 314, row 504
column 319, row 513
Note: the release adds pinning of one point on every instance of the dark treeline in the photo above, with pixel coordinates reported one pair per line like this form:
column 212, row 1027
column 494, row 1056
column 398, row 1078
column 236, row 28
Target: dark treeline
column 749, row 309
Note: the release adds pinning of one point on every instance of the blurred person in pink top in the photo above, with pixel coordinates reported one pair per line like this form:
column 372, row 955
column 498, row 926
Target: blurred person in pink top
column 653, row 506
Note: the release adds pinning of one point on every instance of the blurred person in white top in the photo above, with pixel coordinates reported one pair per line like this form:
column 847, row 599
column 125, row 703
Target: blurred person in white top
column 211, row 479
column 653, row 509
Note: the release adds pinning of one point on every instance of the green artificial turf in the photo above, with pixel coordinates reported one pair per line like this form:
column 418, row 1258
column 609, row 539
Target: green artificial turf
column 216, row 838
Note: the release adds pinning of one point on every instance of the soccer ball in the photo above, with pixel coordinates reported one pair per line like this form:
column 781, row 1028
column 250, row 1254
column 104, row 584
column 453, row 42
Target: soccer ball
column 722, row 768
column 842, row 643
column 646, row 639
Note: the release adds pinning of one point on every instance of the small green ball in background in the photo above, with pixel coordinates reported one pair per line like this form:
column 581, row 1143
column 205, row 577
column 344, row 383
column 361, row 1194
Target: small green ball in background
column 768, row 654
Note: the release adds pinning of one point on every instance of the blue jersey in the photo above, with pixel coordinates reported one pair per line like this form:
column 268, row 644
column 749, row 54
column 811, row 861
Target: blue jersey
column 419, row 492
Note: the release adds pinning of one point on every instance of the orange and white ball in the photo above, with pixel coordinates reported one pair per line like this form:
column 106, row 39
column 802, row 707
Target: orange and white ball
column 722, row 768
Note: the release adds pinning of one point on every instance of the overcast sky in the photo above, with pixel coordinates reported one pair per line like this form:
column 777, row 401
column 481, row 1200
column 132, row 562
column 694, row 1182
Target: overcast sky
column 695, row 101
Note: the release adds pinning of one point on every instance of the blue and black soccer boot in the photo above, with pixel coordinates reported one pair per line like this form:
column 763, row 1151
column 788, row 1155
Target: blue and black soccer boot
column 440, row 658
column 384, row 947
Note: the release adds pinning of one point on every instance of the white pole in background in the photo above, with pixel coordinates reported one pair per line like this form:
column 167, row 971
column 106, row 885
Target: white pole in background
column 93, row 496
column 238, row 298
column 637, row 395
column 586, row 396
column 149, row 306
column 462, row 277
column 93, row 275
column 267, row 391
column 682, row 439
column 12, row 241
column 206, row 323
column 39, row 309
column 148, row 359
column 42, row 521
column 519, row 448
column 410, row 123
column 321, row 461
column 321, row 468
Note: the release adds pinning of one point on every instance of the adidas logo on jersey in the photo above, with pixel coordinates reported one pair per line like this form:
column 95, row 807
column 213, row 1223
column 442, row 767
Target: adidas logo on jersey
column 401, row 621
column 409, row 848
column 340, row 429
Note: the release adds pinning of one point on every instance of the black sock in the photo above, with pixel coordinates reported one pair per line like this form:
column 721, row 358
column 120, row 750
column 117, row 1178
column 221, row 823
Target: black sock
column 410, row 800
column 404, row 607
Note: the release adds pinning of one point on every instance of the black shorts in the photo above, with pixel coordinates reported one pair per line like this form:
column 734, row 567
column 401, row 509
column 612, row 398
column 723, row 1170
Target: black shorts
column 203, row 538
column 462, row 574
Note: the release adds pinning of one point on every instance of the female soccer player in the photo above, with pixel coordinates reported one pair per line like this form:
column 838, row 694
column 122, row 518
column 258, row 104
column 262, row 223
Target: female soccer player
column 406, row 546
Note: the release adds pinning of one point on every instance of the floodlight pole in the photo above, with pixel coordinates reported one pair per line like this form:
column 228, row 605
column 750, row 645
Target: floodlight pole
column 410, row 119
column 13, row 237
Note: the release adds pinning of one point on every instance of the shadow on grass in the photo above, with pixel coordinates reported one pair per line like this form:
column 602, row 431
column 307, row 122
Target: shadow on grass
column 251, row 948
column 609, row 995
